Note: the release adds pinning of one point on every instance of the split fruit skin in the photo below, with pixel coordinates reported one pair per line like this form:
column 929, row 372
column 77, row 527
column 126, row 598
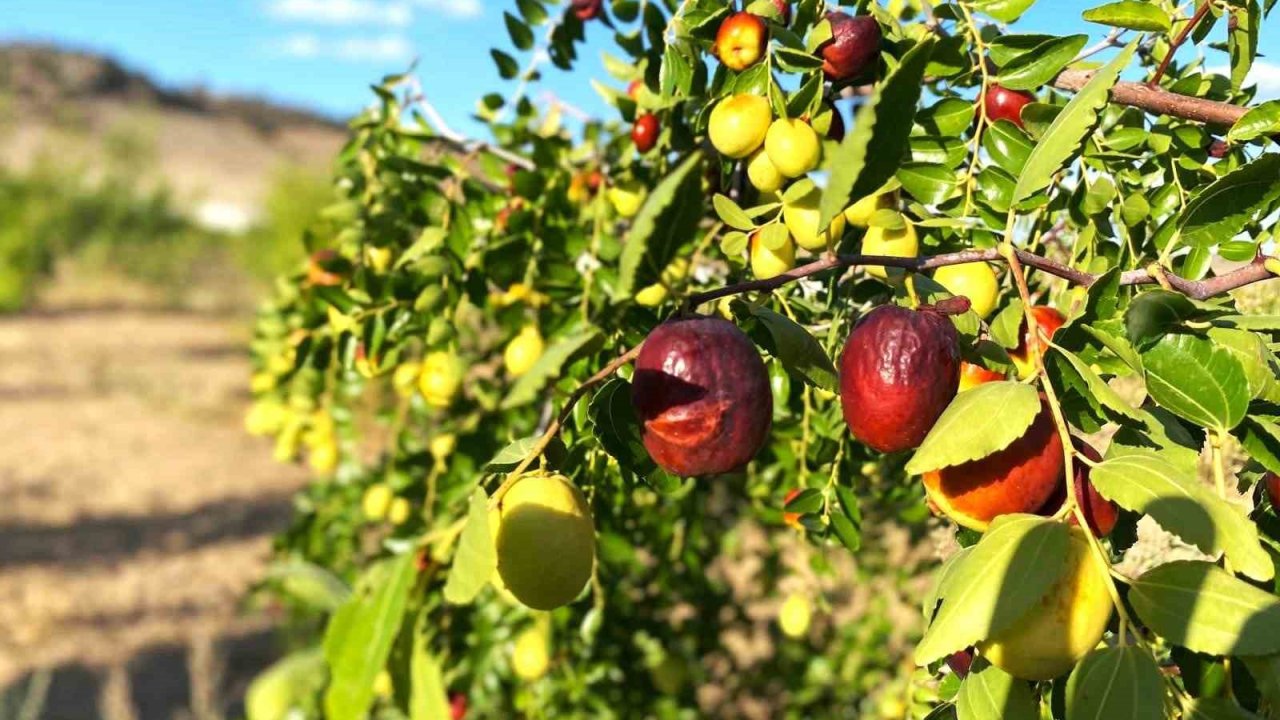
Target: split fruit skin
column 1001, row 103
column 1063, row 626
column 702, row 395
column 1048, row 320
column 741, row 40
column 1018, row 479
column 899, row 370
column 738, row 125
column 853, row 48
column 645, row 132
column 1100, row 513
column 545, row 541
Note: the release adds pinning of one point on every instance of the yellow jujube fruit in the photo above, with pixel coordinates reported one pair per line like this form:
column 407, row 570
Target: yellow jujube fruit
column 793, row 147
column 738, row 125
column 441, row 378
column 382, row 685
column 529, row 656
column 405, row 378
column 653, row 295
column 891, row 243
column 378, row 258
column 324, row 457
column 794, row 615
column 976, row 281
column 265, row 417
column 545, row 541
column 859, row 214
column 1062, row 627
column 627, row 197
column 398, row 513
column 767, row 263
column 762, row 173
column 523, row 351
column 377, row 501
column 800, row 213
column 442, row 446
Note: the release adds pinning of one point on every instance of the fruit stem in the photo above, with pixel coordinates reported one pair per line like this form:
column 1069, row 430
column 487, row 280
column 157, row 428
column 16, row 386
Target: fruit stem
column 911, row 291
column 971, row 29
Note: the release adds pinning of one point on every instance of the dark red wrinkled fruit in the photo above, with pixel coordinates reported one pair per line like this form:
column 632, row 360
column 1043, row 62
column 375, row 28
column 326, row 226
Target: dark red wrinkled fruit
column 587, row 9
column 899, row 371
column 1218, row 149
column 1273, row 490
column 836, row 130
column 645, row 132
column 702, row 396
column 457, row 706
column 960, row 662
column 1099, row 512
column 854, row 46
column 1001, row 103
column 784, row 11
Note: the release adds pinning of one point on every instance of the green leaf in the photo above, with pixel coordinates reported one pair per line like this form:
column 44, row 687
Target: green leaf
column 1003, row 10
column 1251, row 351
column 1008, row 145
column 883, row 124
column 797, row 350
column 314, row 585
column 511, row 455
column 846, row 519
column 997, row 582
column 1197, row 380
column 1216, row 709
column 1063, row 138
column 990, row 693
column 475, row 560
column 533, row 12
column 1221, row 211
column 289, row 683
column 428, row 697
column 1098, row 387
column 1132, row 14
column 1202, row 607
column 1242, row 42
column 1154, row 314
column 528, row 387
column 1037, row 67
column 1261, row 120
column 796, row 61
column 1118, row 682
column 521, row 35
column 1147, row 483
column 668, row 218
column 507, row 66
column 929, row 184
column 948, row 117
column 359, row 636
column 617, row 427
column 1261, row 440
column 731, row 214
column 976, row 424
column 1266, row 672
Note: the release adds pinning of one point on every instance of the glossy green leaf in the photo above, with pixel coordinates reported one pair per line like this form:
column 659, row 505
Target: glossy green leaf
column 797, row 350
column 1197, row 380
column 874, row 148
column 1003, row 10
column 730, row 213
column 667, row 219
column 1101, row 391
column 947, row 117
column 1220, row 211
column 1261, row 120
column 1147, row 483
column 1008, row 145
column 1202, row 607
column 475, row 560
column 1116, row 682
column 1042, row 64
column 1216, row 709
column 976, row 424
column 930, row 184
column 359, row 636
column 521, row 35
column 1156, row 313
column 617, row 427
column 1063, row 138
column 511, row 454
column 1004, row 575
column 990, row 693
column 1132, row 14
column 428, row 697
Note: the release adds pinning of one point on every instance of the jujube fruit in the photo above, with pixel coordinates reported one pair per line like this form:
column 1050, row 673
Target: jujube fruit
column 767, row 262
column 791, row 518
column 1017, row 479
column 1063, row 626
column 457, row 706
column 627, row 196
column 900, row 242
column 976, row 281
column 899, row 370
column 645, row 132
column 441, row 378
column 793, row 147
column 859, row 214
column 960, row 661
column 1100, row 513
column 587, row 9
column 762, row 173
column 972, row 375
column 529, row 656
column 1048, row 320
column 835, row 130
column 545, row 541
column 853, row 48
column 1273, row 490
column 738, row 124
column 1001, row 103
column 795, row 615
column 741, row 40
column 784, row 11
column 702, row 395
column 523, row 351
column 801, row 215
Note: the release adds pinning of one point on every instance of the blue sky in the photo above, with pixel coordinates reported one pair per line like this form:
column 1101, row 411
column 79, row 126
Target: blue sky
column 324, row 53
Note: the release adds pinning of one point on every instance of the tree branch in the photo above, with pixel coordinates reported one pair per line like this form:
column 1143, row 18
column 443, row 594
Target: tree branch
column 1177, row 43
column 1158, row 100
column 1197, row 289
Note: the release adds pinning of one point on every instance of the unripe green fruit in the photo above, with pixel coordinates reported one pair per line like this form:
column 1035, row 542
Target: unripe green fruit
column 738, row 125
column 529, row 657
column 795, row 615
column 976, row 281
column 523, row 351
column 801, row 215
column 793, row 147
column 859, row 214
column 767, row 263
column 891, row 243
column 762, row 173
column 545, row 541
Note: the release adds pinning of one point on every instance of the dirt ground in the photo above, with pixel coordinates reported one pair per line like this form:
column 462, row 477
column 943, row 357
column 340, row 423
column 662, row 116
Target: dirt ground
column 134, row 514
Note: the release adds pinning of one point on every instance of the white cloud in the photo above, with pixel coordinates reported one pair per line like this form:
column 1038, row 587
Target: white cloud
column 1264, row 74
column 395, row 13
column 452, row 8
column 374, row 49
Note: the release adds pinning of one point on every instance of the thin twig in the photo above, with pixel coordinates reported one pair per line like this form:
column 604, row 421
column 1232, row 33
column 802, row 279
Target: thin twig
column 461, row 143
column 1177, row 42
column 1111, row 40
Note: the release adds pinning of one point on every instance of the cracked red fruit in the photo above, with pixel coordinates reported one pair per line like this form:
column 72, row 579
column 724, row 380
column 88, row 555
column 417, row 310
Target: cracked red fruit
column 702, row 396
column 1048, row 320
column 1001, row 103
column 1273, row 490
column 899, row 371
column 1099, row 512
column 645, row 132
column 1018, row 479
column 587, row 9
column 973, row 375
column 853, row 48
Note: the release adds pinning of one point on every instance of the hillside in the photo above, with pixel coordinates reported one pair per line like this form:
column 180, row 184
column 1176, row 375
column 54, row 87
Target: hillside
column 218, row 154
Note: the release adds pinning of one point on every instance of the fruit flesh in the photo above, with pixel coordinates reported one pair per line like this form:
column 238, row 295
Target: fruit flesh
column 545, row 541
column 1018, row 479
column 853, row 48
column 740, row 41
column 702, row 395
column 899, row 370
column 738, row 125
column 1067, row 622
